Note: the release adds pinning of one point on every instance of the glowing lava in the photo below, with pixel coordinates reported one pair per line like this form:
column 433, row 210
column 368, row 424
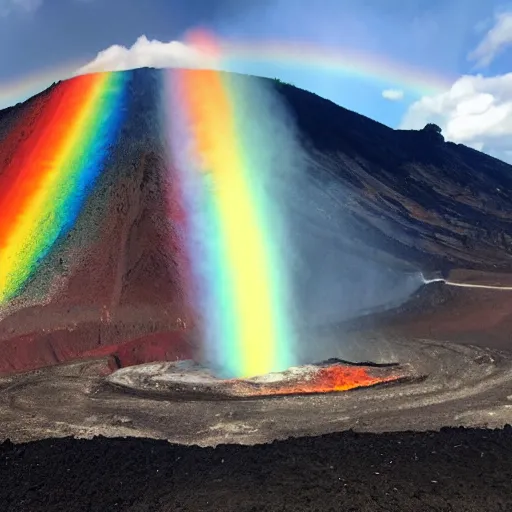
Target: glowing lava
column 330, row 379
column 314, row 379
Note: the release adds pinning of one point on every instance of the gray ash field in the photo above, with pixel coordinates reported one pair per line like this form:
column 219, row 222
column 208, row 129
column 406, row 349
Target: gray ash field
column 450, row 385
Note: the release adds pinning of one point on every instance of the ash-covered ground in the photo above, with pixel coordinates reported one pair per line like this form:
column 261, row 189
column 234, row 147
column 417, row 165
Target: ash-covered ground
column 447, row 385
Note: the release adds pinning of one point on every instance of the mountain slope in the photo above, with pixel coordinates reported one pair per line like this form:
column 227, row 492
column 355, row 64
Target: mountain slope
column 436, row 203
column 109, row 284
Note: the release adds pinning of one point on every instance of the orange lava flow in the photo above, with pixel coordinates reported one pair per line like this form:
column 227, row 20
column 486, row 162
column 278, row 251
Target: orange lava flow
column 330, row 379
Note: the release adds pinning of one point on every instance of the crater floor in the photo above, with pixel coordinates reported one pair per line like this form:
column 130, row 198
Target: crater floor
column 462, row 385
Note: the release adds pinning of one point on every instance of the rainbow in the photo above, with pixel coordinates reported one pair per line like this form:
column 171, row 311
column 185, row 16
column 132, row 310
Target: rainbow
column 222, row 152
column 55, row 164
column 348, row 62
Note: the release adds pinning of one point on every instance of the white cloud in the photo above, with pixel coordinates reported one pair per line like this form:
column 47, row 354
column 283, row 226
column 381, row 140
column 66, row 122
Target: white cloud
column 27, row 6
column 476, row 111
column 148, row 53
column 393, row 94
column 495, row 41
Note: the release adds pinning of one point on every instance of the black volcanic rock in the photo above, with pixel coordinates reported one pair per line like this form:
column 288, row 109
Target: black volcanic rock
column 456, row 470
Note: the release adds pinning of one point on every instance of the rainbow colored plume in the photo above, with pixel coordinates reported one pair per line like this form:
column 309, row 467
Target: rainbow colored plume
column 224, row 147
column 43, row 188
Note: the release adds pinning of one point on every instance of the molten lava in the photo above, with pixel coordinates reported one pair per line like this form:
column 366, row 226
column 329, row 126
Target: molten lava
column 317, row 379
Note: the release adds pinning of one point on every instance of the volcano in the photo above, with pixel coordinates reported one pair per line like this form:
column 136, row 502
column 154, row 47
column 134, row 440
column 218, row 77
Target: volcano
column 109, row 288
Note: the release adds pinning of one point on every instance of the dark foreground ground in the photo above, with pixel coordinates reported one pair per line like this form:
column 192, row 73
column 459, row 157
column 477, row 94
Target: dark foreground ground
column 452, row 470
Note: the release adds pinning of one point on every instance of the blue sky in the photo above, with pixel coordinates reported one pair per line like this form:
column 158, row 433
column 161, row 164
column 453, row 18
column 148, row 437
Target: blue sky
column 435, row 35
